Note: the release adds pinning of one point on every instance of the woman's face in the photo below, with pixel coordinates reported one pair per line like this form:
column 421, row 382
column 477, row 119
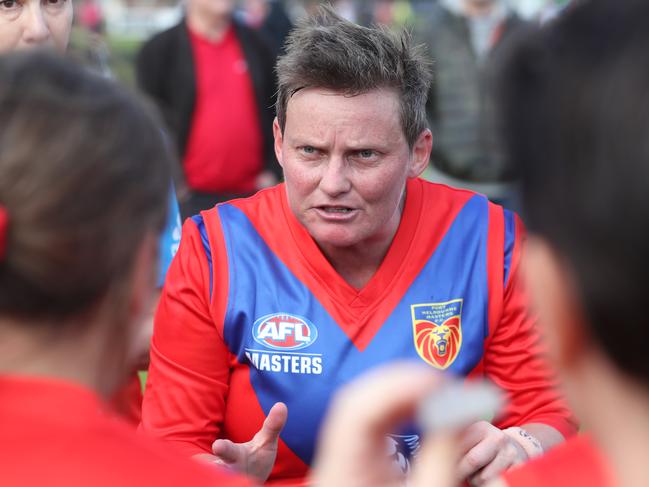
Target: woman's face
column 346, row 162
column 27, row 24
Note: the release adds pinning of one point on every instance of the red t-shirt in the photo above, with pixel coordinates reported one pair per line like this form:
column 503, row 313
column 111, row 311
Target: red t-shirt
column 225, row 148
column 57, row 433
column 575, row 462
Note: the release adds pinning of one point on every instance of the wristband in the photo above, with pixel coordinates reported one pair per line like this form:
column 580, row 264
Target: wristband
column 527, row 442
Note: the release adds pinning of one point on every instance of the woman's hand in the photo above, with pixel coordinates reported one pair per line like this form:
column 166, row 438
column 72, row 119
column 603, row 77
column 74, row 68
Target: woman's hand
column 352, row 447
column 256, row 457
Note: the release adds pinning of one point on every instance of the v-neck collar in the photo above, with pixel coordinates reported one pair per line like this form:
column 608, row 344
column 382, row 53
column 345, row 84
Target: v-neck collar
column 359, row 313
column 389, row 268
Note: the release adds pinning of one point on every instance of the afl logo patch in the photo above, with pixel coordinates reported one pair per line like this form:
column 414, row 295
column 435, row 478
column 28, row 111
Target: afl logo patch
column 282, row 331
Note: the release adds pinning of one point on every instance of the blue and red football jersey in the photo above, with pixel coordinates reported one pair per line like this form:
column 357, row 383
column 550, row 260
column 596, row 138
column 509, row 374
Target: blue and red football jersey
column 252, row 313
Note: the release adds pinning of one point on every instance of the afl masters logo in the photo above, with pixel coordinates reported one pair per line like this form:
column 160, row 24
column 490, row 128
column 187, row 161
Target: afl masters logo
column 283, row 336
column 437, row 332
column 283, row 331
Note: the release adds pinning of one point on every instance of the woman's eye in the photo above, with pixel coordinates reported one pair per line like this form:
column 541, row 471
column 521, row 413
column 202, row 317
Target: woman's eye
column 54, row 3
column 8, row 4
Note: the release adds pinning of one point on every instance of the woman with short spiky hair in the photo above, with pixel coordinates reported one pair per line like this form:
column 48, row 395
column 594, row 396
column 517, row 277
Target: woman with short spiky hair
column 353, row 262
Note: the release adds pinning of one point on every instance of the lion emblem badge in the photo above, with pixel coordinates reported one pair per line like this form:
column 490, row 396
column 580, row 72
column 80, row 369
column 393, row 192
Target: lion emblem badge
column 437, row 330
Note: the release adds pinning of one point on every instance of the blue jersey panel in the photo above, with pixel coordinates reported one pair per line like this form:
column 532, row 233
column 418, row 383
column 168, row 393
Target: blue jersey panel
column 510, row 237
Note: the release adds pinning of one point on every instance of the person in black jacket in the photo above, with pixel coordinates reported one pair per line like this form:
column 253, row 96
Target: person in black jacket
column 467, row 41
column 212, row 78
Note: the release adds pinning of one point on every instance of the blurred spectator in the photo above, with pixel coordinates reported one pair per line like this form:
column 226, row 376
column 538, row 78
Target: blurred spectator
column 90, row 49
column 551, row 9
column 213, row 79
column 253, row 12
column 393, row 13
column 347, row 9
column 276, row 25
column 87, row 44
column 90, row 16
column 465, row 39
column 270, row 19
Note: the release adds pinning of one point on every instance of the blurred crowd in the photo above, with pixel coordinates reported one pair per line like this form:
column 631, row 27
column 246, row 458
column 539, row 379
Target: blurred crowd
column 464, row 39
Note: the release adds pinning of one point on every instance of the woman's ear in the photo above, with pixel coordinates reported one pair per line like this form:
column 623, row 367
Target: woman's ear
column 420, row 154
column 279, row 139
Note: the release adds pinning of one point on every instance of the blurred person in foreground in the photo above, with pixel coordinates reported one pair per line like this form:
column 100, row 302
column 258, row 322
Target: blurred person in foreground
column 84, row 175
column 352, row 263
column 30, row 24
column 466, row 40
column 212, row 77
column 577, row 110
column 577, row 120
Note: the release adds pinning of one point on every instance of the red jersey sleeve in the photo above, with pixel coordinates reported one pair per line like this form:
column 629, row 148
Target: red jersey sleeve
column 514, row 358
column 184, row 401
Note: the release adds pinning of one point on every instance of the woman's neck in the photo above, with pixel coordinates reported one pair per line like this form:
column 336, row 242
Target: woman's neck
column 210, row 27
column 357, row 264
column 42, row 350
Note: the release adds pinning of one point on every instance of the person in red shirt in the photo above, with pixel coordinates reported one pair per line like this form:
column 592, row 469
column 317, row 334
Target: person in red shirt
column 84, row 175
column 577, row 113
column 579, row 461
column 212, row 78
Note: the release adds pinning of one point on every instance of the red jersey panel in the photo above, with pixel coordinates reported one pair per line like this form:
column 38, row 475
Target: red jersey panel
column 58, row 434
column 576, row 462
column 224, row 148
column 253, row 313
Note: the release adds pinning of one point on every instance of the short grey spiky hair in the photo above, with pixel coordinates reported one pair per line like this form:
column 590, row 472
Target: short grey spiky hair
column 327, row 51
